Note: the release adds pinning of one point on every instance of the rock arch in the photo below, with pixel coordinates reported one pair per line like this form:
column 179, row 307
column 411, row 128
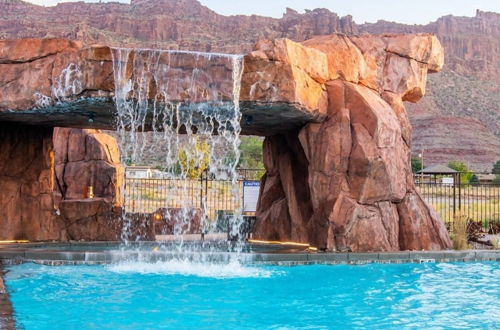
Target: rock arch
column 338, row 137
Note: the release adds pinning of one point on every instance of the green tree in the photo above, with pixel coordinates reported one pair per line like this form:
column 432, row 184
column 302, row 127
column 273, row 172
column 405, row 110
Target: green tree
column 251, row 152
column 465, row 173
column 416, row 164
column 194, row 161
column 496, row 180
column 474, row 180
column 496, row 168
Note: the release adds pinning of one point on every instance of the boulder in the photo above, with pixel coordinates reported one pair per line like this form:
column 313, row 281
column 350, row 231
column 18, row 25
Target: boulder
column 170, row 221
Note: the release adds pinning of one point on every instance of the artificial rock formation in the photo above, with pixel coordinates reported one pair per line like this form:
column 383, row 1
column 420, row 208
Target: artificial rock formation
column 345, row 184
column 27, row 208
column 88, row 158
column 337, row 151
column 468, row 89
column 61, row 83
column 42, row 181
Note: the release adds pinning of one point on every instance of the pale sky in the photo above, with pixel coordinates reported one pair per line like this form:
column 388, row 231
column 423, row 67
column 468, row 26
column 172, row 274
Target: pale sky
column 403, row 11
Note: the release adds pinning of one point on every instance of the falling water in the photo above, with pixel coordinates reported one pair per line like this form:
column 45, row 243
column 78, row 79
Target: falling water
column 183, row 108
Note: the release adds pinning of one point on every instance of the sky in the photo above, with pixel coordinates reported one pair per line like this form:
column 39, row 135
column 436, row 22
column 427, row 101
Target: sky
column 402, row 11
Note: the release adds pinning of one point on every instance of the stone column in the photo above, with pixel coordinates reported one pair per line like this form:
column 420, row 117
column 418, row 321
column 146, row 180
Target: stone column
column 346, row 184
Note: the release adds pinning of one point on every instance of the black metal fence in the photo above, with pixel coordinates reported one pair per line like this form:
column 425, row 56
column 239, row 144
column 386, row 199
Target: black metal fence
column 479, row 202
column 216, row 196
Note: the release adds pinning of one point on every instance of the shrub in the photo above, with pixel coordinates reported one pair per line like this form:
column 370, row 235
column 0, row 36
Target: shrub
column 416, row 164
column 465, row 173
column 194, row 160
column 496, row 168
column 459, row 232
column 496, row 180
column 474, row 180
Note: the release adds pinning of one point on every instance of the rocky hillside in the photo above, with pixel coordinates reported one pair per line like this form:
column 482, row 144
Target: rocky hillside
column 462, row 101
column 460, row 116
column 173, row 24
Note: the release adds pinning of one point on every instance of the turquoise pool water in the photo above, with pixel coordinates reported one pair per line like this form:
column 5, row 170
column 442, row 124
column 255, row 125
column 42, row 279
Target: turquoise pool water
column 184, row 295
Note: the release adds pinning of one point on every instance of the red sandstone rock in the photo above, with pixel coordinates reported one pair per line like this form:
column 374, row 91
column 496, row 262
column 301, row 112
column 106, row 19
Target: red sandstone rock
column 176, row 220
column 471, row 45
column 359, row 195
column 27, row 207
column 87, row 158
column 341, row 183
column 345, row 61
column 90, row 220
column 41, row 185
column 285, row 71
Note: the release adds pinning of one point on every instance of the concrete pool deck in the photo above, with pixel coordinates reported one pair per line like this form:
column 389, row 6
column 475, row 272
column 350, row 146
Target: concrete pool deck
column 110, row 252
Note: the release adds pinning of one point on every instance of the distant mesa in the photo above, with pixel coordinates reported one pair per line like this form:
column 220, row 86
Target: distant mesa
column 468, row 89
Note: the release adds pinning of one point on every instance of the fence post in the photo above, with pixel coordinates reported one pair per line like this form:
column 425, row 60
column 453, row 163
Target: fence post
column 206, row 189
column 201, row 190
column 455, row 180
column 459, row 192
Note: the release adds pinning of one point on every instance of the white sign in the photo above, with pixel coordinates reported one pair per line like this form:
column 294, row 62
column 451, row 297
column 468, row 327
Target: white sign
column 250, row 195
column 447, row 181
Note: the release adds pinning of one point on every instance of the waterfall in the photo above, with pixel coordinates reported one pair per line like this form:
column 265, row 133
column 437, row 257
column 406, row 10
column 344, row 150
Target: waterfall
column 183, row 109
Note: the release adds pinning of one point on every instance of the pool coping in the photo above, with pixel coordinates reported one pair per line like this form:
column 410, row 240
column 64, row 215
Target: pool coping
column 7, row 320
column 42, row 253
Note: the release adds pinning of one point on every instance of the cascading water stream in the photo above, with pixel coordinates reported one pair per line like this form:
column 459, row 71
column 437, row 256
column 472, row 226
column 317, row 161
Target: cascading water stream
column 183, row 108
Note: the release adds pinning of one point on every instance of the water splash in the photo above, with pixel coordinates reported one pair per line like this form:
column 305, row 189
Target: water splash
column 189, row 102
column 233, row 269
column 68, row 84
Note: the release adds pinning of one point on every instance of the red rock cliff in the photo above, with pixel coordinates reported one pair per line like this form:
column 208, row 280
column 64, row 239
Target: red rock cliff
column 468, row 88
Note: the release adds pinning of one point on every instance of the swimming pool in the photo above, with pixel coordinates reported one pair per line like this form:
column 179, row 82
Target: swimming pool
column 184, row 295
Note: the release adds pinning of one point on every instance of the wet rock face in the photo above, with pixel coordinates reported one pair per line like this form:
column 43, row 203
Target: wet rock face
column 55, row 82
column 345, row 184
column 337, row 151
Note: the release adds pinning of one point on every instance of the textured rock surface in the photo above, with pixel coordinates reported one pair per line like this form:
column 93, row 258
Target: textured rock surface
column 86, row 158
column 39, row 74
column 463, row 103
column 173, row 220
column 27, row 208
column 60, row 83
column 341, row 182
column 174, row 24
column 437, row 131
column 346, row 183
column 64, row 84
column 90, row 220
column 42, row 177
column 97, row 220
column 467, row 88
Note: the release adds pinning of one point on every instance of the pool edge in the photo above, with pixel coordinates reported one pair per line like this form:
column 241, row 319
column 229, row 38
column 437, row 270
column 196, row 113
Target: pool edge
column 7, row 320
column 52, row 257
